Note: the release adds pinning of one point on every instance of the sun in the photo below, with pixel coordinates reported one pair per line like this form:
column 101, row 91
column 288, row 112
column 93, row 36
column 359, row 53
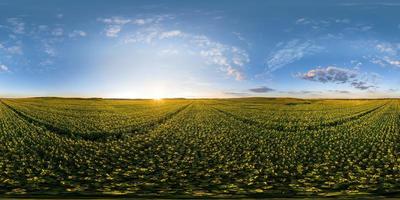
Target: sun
column 157, row 98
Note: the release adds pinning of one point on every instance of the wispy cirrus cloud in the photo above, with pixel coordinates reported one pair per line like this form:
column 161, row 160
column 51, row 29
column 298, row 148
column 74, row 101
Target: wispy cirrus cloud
column 232, row 59
column 77, row 33
column 16, row 49
column 228, row 58
column 317, row 23
column 290, row 52
column 25, row 37
column 16, row 25
column 115, row 24
column 340, row 75
column 388, row 54
column 57, row 32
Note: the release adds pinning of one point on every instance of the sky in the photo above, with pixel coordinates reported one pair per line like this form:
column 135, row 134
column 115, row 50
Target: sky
column 195, row 49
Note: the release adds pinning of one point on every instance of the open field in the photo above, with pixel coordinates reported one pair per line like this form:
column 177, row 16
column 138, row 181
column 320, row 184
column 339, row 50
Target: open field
column 208, row 148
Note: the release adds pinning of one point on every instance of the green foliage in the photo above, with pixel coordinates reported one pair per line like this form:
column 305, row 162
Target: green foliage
column 246, row 147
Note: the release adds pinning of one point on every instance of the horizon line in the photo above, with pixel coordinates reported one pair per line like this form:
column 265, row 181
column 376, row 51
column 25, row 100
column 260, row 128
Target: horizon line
column 194, row 98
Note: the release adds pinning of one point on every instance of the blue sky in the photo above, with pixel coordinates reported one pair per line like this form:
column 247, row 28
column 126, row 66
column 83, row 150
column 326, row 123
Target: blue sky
column 150, row 49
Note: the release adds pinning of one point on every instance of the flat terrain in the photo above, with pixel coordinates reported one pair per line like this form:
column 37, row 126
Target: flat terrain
column 252, row 147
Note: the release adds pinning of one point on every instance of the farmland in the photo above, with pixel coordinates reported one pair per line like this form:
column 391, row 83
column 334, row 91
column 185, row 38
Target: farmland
column 208, row 148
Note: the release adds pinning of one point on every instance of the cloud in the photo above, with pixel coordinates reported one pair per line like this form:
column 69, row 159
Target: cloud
column 261, row 89
column 170, row 34
column 329, row 74
column 332, row 74
column 140, row 21
column 49, row 50
column 362, row 85
column 3, row 68
column 46, row 62
column 232, row 59
column 386, row 48
column 240, row 37
column 301, row 92
column 146, row 35
column 241, row 94
column 57, row 32
column 112, row 31
column 388, row 54
column 114, row 25
column 17, row 26
column 229, row 59
column 319, row 23
column 115, row 20
column 77, row 33
column 151, row 20
column 290, row 52
column 340, row 91
column 14, row 50
column 59, row 16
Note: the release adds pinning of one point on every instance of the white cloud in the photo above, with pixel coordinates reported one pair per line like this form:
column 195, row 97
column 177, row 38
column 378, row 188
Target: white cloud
column 4, row 68
column 290, row 52
column 46, row 62
column 227, row 58
column 17, row 25
column 386, row 48
column 14, row 50
column 77, row 33
column 231, row 59
column 317, row 23
column 140, row 21
column 239, row 36
column 302, row 21
column 147, row 35
column 388, row 54
column 57, row 32
column 114, row 25
column 59, row 16
column 115, row 20
column 49, row 50
column 112, row 31
column 344, row 21
column 170, row 34
column 392, row 62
